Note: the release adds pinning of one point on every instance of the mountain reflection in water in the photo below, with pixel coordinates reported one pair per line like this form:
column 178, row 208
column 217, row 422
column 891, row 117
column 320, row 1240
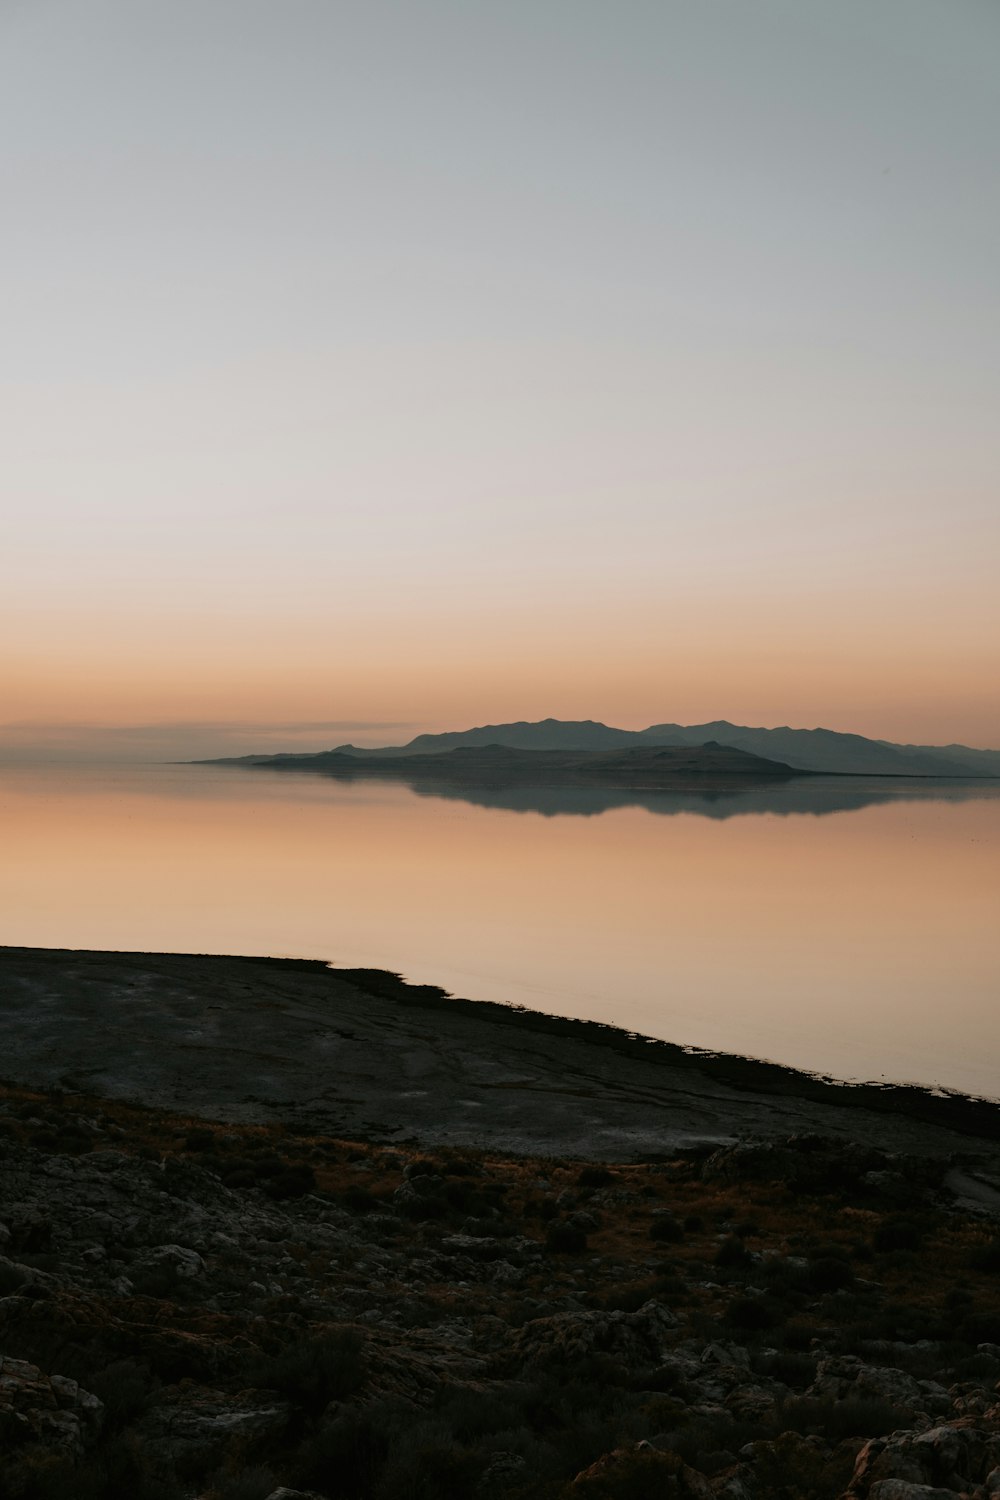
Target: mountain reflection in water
column 813, row 796
column 844, row 925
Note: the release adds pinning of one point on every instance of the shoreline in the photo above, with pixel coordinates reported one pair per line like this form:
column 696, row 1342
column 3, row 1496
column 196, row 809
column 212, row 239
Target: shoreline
column 362, row 1051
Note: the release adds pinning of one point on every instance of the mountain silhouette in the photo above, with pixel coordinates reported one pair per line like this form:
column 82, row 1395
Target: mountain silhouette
column 803, row 749
column 637, row 768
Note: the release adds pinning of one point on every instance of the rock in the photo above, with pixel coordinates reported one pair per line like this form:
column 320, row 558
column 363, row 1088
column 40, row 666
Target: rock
column 476, row 1247
column 725, row 1354
column 50, row 1410
column 635, row 1337
column 888, row 1187
column 585, row 1220
column 30, row 1231
column 198, row 1427
column 734, row 1487
column 284, row 1493
column 838, row 1378
column 814, row 1164
column 504, row 1274
column 901, row 1489
column 659, row 1474
column 949, row 1456
column 185, row 1264
column 504, row 1468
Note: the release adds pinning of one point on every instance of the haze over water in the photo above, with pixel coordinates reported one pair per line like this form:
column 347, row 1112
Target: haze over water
column 861, row 943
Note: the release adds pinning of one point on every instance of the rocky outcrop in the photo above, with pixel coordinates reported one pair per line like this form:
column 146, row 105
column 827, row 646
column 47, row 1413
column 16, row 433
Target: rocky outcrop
column 949, row 1459
column 638, row 1339
column 246, row 1299
column 49, row 1410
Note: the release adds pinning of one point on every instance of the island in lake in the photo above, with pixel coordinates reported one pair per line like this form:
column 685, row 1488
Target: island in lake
column 650, row 768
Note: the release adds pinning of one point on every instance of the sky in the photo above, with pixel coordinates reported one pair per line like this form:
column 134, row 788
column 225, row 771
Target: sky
column 383, row 365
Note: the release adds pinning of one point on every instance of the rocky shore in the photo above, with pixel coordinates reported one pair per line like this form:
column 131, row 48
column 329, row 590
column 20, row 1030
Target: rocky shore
column 299, row 1287
column 361, row 1053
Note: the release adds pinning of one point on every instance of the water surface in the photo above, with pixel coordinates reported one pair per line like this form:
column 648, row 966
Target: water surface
column 848, row 926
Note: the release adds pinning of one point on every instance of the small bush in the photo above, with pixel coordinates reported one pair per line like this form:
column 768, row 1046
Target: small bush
column 796, row 1370
column 732, row 1255
column 855, row 1416
column 980, row 1328
column 665, row 1228
column 829, row 1275
column 564, row 1239
column 199, row 1140
column 240, row 1177
column 359, row 1200
column 314, row 1373
column 12, row 1278
column 126, row 1387
column 595, row 1177
column 986, row 1257
column 898, row 1234
column 798, row 1336
column 251, row 1484
column 291, row 1182
column 753, row 1314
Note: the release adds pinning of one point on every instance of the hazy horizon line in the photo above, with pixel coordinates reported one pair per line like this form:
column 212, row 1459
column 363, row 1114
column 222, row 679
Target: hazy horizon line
column 68, row 740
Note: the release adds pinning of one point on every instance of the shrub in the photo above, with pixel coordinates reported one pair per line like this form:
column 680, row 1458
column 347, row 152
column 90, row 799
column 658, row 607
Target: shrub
column 250, row 1484
column 753, row 1314
column 126, row 1387
column 898, row 1234
column 798, row 1335
column 199, row 1139
column 666, row 1228
column 240, row 1177
column 986, row 1257
column 791, row 1368
column 829, row 1275
column 291, row 1182
column 732, row 1254
column 595, row 1177
column 12, row 1278
column 358, row 1199
column 980, row 1328
column 855, row 1416
column 314, row 1373
column 565, row 1239
column 634, row 1475
column 459, row 1167
column 793, row 1466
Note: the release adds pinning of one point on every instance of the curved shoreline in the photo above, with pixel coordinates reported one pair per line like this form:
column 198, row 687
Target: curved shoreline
column 361, row 1052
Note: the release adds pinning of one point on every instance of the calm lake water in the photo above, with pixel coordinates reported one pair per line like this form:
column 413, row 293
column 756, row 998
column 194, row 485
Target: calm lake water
column 850, row 927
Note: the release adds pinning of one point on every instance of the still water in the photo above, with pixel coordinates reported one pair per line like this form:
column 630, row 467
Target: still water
column 844, row 926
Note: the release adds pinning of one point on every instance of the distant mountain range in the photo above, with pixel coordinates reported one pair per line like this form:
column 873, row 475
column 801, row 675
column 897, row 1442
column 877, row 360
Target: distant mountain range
column 647, row 768
column 801, row 749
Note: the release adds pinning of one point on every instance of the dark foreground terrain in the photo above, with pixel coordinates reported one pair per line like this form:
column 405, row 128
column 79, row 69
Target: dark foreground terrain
column 263, row 1304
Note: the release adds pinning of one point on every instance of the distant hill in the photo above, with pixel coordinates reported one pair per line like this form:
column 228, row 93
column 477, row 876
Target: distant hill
column 828, row 750
column 547, row 734
column 644, row 767
column 802, row 749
